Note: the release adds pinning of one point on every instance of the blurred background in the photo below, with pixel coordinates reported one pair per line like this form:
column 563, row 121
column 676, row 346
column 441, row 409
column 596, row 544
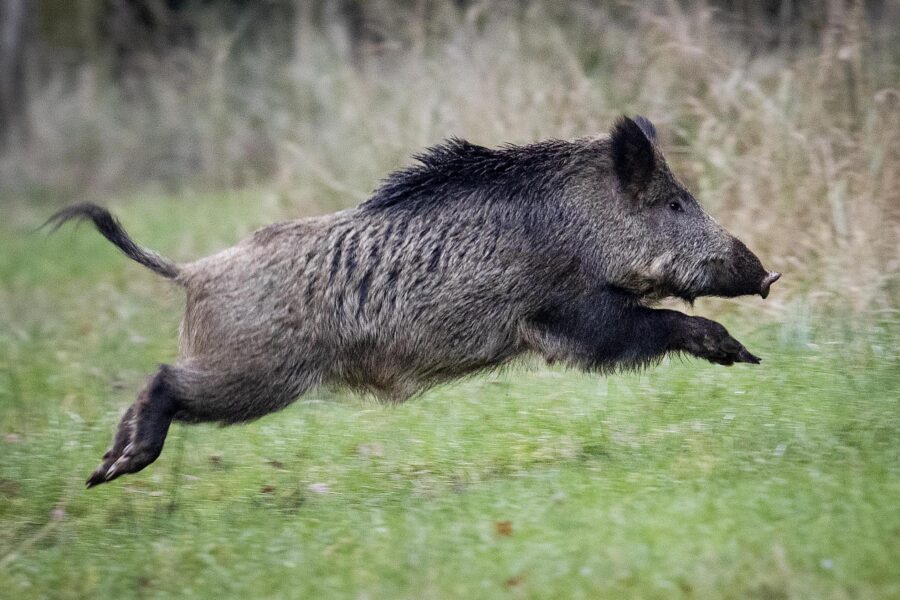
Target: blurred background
column 197, row 122
column 782, row 115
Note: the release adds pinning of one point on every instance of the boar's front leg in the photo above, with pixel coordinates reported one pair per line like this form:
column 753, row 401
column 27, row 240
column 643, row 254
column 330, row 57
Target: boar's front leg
column 657, row 332
column 608, row 329
column 709, row 340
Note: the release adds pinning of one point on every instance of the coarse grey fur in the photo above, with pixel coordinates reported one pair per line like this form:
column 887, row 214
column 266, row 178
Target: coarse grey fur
column 463, row 262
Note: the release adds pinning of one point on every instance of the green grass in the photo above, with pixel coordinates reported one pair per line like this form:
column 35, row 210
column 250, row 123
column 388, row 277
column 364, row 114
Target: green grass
column 689, row 480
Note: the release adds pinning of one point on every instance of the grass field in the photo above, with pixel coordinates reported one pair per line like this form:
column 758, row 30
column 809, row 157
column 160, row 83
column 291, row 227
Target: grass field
column 689, row 480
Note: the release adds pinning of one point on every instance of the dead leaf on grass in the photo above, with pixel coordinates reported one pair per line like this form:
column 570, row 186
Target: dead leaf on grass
column 503, row 528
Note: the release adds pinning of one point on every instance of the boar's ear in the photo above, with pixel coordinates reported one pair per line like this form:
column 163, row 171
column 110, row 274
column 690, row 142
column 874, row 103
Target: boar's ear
column 647, row 127
column 632, row 152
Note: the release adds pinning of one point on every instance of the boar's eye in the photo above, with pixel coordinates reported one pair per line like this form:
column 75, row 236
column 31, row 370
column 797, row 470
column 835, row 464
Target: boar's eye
column 675, row 205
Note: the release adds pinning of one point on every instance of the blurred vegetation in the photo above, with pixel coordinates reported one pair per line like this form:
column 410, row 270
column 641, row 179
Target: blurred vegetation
column 783, row 115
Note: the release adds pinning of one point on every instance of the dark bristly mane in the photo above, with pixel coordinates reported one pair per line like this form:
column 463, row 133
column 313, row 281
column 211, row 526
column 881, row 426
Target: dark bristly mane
column 456, row 166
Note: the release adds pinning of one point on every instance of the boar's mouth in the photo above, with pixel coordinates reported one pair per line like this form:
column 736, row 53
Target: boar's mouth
column 740, row 273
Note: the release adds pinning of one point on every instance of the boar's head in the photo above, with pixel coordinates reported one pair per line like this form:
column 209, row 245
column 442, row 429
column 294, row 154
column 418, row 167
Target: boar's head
column 663, row 243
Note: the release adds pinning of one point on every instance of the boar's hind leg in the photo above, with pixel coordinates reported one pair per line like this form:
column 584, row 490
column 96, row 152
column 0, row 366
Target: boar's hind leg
column 142, row 430
column 232, row 397
column 191, row 394
column 123, row 436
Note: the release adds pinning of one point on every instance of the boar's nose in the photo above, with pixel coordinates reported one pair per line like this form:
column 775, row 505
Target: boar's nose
column 767, row 282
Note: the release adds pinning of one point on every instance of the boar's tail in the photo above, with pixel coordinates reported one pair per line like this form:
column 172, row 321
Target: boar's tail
column 112, row 230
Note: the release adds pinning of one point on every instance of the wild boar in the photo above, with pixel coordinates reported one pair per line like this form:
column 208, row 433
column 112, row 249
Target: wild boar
column 463, row 262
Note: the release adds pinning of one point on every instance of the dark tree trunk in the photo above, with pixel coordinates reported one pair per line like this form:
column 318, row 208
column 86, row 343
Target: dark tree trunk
column 14, row 30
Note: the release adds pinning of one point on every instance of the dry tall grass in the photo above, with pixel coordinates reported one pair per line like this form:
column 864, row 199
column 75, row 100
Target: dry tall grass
column 798, row 151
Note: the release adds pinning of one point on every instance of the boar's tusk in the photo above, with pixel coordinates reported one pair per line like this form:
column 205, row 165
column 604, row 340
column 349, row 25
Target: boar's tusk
column 767, row 282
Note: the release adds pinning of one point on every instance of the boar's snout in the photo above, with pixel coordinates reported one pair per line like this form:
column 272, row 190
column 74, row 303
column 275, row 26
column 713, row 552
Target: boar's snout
column 767, row 282
column 743, row 274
